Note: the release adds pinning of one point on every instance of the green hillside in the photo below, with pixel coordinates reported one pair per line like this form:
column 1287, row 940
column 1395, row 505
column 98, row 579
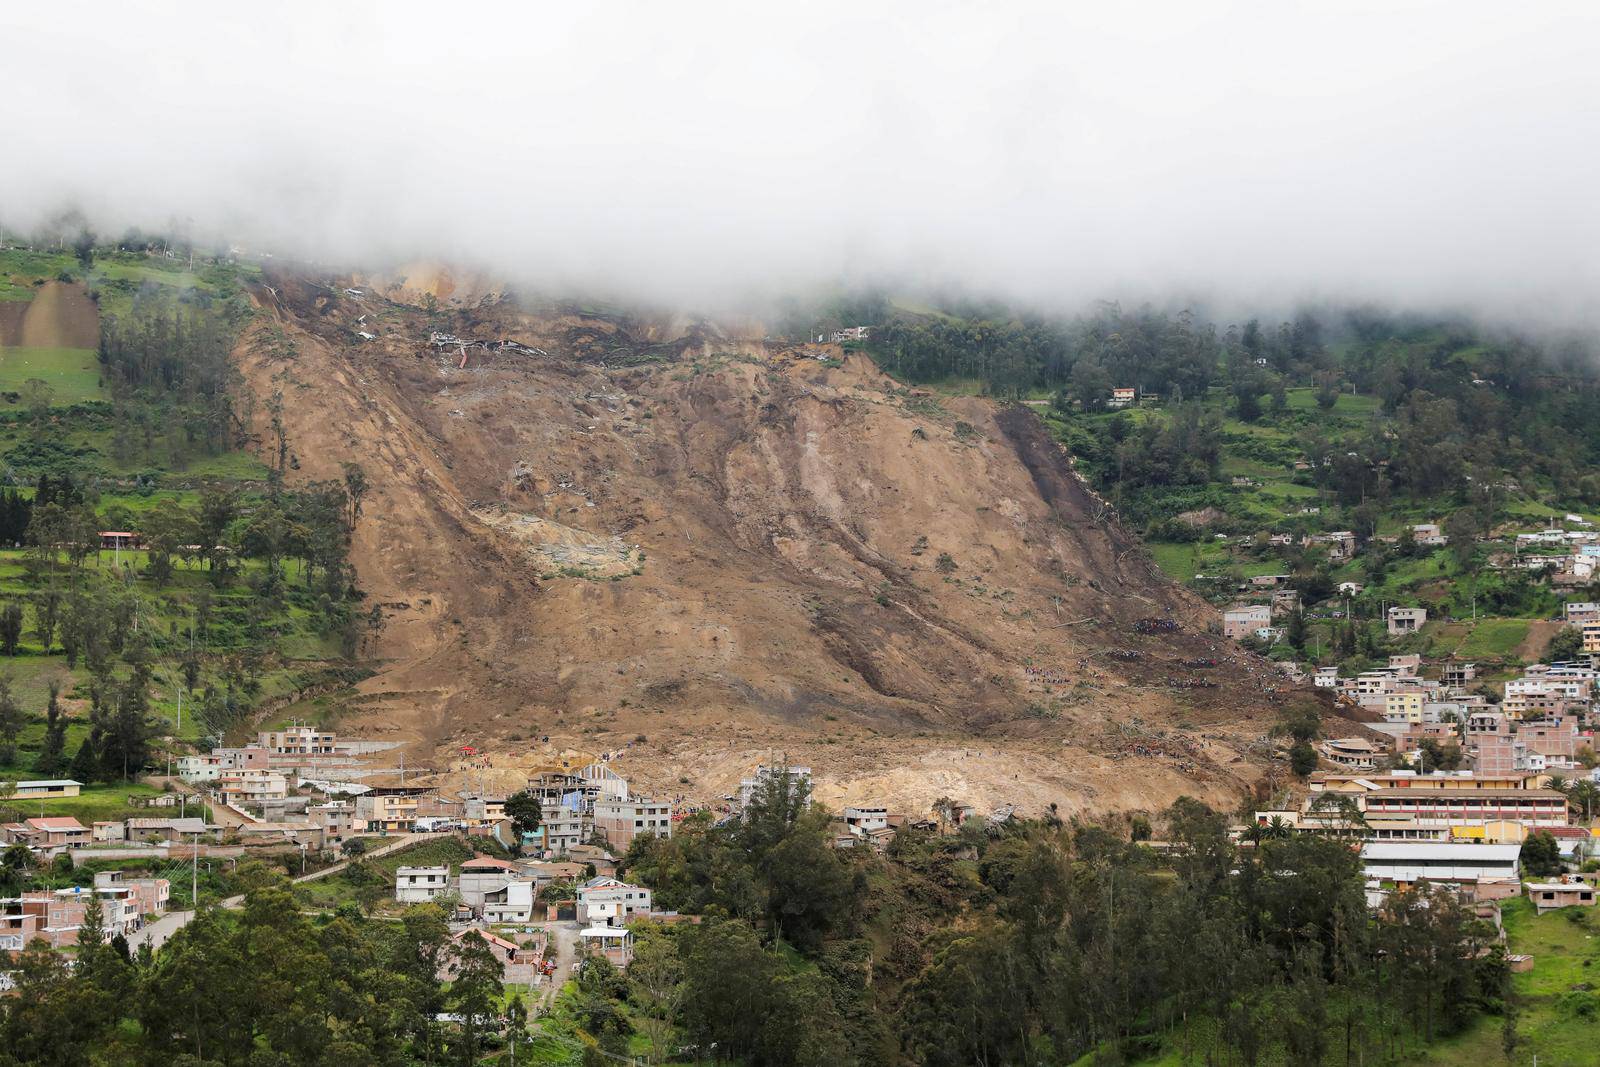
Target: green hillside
column 238, row 596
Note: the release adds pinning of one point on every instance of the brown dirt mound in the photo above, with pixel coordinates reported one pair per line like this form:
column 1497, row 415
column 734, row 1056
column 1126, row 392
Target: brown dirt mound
column 60, row 315
column 861, row 579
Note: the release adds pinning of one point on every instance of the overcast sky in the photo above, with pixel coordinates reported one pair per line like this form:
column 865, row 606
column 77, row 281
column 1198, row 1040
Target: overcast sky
column 1411, row 153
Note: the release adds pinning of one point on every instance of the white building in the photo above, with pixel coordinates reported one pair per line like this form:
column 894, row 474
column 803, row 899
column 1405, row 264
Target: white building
column 611, row 902
column 865, row 820
column 418, row 885
column 201, row 768
column 511, row 903
column 483, row 875
column 1438, row 861
column 747, row 786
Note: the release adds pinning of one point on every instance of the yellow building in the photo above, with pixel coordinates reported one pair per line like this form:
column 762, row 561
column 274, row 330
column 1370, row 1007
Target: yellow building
column 1404, row 706
column 1494, row 832
column 1591, row 637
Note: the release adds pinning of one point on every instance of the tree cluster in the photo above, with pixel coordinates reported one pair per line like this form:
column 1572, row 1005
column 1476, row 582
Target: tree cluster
column 263, row 987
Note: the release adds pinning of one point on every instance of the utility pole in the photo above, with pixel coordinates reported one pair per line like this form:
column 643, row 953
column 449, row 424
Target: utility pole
column 194, row 878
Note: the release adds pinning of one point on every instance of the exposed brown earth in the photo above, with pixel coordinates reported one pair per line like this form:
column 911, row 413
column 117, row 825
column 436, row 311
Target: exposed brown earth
column 736, row 552
column 60, row 315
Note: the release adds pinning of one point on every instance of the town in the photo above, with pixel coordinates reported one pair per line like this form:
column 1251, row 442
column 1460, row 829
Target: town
column 1445, row 790
column 282, row 797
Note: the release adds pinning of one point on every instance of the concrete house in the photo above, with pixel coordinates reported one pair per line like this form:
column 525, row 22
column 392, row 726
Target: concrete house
column 865, row 820
column 1549, row 895
column 565, row 828
column 511, row 903
column 1404, row 705
column 299, row 741
column 481, row 810
column 418, row 885
column 623, row 820
column 1243, row 620
column 337, row 819
column 1579, row 612
column 56, row 832
column 250, row 788
column 610, row 902
column 207, row 767
column 483, row 875
column 1591, row 636
column 18, row 927
column 1402, row 621
column 1428, row 533
column 150, row 894
column 392, row 809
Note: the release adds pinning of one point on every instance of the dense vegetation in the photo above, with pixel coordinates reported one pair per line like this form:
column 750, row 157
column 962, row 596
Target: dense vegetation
column 264, row 986
column 239, row 591
column 1037, row 942
column 1248, row 440
column 1030, row 942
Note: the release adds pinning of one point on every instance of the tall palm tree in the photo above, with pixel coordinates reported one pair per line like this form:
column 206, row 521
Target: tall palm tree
column 1584, row 795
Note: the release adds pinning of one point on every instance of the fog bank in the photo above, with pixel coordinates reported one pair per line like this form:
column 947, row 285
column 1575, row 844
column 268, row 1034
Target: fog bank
column 1414, row 154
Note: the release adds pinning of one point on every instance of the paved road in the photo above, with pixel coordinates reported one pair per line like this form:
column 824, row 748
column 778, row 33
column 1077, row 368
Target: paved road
column 156, row 934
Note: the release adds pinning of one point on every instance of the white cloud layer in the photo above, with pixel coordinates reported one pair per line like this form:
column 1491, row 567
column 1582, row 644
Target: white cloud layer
column 1410, row 153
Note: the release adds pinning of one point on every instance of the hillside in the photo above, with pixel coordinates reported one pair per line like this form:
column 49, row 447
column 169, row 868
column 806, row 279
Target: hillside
column 196, row 642
column 712, row 551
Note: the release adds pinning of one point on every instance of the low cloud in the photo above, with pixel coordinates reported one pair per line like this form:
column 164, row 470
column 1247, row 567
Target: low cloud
column 1413, row 154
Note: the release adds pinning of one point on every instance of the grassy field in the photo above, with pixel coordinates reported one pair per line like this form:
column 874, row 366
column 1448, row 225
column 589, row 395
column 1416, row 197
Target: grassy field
column 101, row 802
column 1558, row 1018
column 1493, row 639
column 1557, row 1014
column 73, row 374
column 445, row 849
column 1181, row 562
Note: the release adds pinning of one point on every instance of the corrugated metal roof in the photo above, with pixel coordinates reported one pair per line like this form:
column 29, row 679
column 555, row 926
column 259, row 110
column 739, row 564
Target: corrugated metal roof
column 1400, row 850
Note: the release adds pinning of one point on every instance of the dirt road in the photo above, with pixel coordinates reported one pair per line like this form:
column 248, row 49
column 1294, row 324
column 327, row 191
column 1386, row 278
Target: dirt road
column 563, row 939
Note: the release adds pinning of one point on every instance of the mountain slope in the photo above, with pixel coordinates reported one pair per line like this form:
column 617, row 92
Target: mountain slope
column 733, row 549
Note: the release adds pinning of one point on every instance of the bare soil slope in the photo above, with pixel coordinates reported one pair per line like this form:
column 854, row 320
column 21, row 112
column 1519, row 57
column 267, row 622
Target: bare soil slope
column 696, row 552
column 60, row 315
